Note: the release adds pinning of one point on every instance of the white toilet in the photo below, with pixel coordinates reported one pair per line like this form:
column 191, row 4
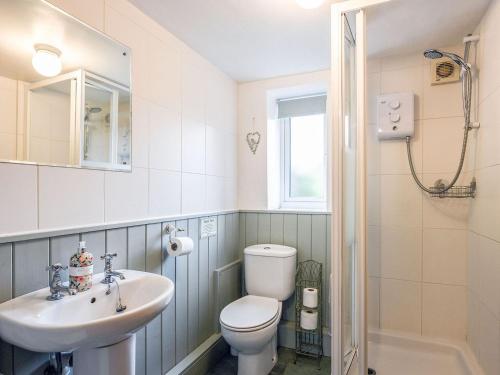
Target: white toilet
column 250, row 324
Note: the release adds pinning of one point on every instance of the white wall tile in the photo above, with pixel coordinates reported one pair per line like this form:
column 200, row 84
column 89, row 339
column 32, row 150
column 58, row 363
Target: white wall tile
column 165, row 139
column 489, row 274
column 70, row 197
column 125, row 30
column 473, row 262
column 489, row 341
column 230, row 193
column 402, row 61
column 444, row 311
column 373, row 250
column 215, row 139
column 401, row 253
column 215, row 193
column 441, row 100
column 373, row 302
column 18, row 198
column 164, row 193
column 373, row 200
column 436, row 134
column 8, row 144
column 230, row 155
column 400, row 201
column 164, row 73
column 193, row 86
column 373, row 90
column 404, row 80
column 444, row 213
column 193, row 193
column 140, row 132
column 127, row 195
column 393, row 155
column 473, row 325
column 400, row 305
column 445, row 256
column 168, row 79
column 372, row 151
column 193, row 146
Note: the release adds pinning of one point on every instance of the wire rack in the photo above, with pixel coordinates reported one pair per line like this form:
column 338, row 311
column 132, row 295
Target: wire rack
column 308, row 342
column 455, row 191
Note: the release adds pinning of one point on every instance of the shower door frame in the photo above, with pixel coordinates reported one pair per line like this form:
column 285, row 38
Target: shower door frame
column 360, row 339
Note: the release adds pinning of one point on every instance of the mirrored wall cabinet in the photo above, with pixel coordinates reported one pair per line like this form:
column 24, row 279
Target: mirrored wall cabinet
column 65, row 96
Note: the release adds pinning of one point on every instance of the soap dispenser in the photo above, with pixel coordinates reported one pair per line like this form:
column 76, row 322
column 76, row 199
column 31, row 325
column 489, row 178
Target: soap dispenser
column 81, row 269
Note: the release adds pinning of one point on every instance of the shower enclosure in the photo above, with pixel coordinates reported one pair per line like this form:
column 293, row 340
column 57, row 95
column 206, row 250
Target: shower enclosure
column 349, row 338
column 410, row 285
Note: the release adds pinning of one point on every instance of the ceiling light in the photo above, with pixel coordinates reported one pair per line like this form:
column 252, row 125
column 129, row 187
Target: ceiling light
column 310, row 4
column 47, row 60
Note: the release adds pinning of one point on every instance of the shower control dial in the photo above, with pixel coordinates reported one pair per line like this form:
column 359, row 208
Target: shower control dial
column 395, row 117
column 395, row 104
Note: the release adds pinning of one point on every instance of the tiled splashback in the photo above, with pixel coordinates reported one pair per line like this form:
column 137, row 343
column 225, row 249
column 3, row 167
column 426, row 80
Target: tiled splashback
column 191, row 317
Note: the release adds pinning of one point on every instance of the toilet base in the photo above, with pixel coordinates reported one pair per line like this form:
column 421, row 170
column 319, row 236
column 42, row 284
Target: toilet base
column 260, row 363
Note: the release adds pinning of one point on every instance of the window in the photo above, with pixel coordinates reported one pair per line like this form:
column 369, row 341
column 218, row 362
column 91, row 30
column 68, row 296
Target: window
column 304, row 155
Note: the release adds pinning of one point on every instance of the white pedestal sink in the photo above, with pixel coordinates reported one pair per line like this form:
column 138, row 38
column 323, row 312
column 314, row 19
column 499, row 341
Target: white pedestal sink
column 87, row 323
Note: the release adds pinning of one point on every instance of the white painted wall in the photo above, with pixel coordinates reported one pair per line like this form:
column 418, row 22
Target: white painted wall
column 253, row 116
column 483, row 331
column 184, row 139
column 416, row 244
column 8, row 118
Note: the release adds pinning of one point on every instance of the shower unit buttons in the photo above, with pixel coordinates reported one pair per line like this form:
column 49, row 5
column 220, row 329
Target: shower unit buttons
column 395, row 115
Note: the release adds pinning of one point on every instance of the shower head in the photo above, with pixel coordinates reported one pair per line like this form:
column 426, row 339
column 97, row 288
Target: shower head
column 433, row 54
column 437, row 54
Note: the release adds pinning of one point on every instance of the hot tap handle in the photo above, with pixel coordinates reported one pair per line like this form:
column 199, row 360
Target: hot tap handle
column 109, row 256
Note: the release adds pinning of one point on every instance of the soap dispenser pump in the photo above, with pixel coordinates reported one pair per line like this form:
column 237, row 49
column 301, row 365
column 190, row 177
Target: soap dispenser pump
column 81, row 269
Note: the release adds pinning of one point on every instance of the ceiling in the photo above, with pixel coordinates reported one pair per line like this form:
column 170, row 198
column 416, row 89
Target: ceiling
column 256, row 39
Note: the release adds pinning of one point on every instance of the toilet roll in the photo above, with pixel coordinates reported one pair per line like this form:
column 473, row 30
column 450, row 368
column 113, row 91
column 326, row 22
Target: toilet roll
column 180, row 246
column 308, row 319
column 310, row 297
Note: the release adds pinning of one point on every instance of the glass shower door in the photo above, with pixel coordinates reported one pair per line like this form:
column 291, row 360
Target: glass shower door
column 349, row 192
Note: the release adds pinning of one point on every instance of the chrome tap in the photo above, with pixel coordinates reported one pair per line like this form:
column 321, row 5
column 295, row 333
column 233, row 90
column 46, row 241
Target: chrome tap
column 56, row 285
column 109, row 274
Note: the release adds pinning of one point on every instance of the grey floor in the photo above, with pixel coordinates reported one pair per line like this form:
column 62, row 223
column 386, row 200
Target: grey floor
column 285, row 366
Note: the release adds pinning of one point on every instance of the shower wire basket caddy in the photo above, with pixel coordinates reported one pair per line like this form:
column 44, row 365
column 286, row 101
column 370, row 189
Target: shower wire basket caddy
column 308, row 342
column 455, row 191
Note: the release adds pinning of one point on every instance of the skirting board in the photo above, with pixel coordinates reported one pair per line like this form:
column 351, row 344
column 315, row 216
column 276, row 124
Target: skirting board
column 203, row 357
column 286, row 337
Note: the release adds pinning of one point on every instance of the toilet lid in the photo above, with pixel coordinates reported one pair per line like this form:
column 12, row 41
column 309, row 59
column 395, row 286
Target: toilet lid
column 249, row 312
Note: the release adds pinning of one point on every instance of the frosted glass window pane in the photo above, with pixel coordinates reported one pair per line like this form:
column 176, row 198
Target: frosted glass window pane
column 307, row 157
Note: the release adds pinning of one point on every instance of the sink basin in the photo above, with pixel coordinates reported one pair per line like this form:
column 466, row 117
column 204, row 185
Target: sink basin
column 88, row 319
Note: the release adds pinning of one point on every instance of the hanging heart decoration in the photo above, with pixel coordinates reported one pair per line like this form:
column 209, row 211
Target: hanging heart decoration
column 253, row 140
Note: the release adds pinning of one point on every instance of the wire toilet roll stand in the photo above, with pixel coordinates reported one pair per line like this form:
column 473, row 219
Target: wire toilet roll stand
column 308, row 342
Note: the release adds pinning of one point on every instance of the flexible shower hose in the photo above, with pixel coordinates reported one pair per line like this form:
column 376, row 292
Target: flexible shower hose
column 466, row 95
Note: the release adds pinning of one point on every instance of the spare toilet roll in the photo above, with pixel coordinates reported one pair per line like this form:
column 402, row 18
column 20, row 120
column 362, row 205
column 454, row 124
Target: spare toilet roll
column 310, row 297
column 180, row 246
column 308, row 319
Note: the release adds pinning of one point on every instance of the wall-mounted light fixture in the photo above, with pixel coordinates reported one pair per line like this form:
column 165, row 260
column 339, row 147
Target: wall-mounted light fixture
column 47, row 60
column 310, row 4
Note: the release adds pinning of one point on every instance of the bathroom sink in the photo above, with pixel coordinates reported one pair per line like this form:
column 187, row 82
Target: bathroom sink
column 88, row 319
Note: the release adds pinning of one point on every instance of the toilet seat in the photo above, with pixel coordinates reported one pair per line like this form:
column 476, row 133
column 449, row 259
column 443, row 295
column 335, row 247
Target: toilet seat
column 250, row 313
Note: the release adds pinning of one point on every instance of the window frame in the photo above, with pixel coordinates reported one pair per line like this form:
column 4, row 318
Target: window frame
column 286, row 201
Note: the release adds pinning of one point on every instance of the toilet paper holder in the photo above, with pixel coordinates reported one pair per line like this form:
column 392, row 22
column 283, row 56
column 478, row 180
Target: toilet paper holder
column 171, row 229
